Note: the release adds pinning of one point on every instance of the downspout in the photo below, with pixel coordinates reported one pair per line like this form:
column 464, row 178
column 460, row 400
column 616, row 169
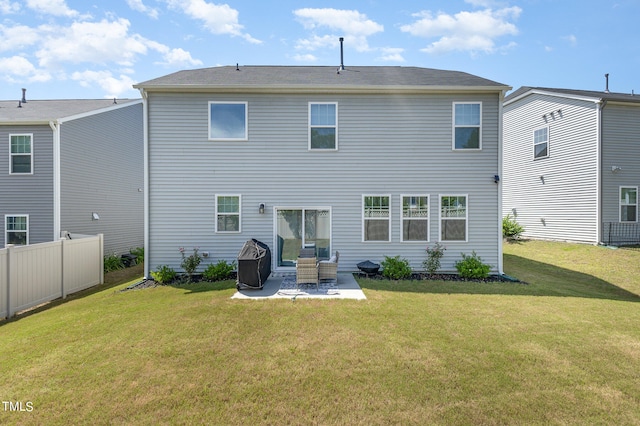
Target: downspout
column 499, row 183
column 599, row 167
column 145, row 132
column 55, row 127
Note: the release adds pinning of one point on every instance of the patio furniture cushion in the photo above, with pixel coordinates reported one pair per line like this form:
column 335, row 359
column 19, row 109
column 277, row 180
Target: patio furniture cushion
column 328, row 269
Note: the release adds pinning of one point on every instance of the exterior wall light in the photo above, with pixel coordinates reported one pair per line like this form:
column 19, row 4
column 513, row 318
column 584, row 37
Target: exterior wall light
column 261, row 208
column 95, row 216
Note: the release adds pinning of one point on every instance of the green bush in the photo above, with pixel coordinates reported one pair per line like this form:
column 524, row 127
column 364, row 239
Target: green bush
column 432, row 262
column 190, row 263
column 396, row 268
column 220, row 271
column 511, row 229
column 472, row 267
column 112, row 262
column 163, row 274
column 138, row 252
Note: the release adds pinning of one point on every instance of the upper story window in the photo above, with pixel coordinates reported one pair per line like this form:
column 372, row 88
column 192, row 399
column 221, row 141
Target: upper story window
column 376, row 218
column 228, row 121
column 16, row 230
column 541, row 143
column 467, row 125
column 415, row 218
column 227, row 213
column 21, row 154
column 453, row 218
column 629, row 204
column 323, row 125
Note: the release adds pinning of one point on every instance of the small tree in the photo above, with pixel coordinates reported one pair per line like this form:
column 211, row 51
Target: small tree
column 190, row 263
column 432, row 262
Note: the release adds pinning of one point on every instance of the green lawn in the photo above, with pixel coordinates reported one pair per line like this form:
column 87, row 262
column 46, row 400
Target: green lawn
column 562, row 349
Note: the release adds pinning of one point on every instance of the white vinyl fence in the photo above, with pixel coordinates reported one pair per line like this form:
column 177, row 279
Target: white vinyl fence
column 38, row 273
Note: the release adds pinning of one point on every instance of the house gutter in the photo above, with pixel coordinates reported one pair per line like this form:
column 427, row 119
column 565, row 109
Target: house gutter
column 499, row 183
column 55, row 127
column 599, row 167
column 145, row 132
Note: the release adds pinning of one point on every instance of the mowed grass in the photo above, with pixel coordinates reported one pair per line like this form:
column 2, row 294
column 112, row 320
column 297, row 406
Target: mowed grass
column 562, row 349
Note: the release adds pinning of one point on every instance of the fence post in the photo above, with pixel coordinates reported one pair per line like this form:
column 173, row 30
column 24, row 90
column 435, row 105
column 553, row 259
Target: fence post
column 62, row 271
column 9, row 310
column 101, row 242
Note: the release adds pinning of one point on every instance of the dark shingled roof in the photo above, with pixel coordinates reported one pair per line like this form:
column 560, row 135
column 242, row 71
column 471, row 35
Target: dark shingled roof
column 316, row 77
column 611, row 96
column 43, row 111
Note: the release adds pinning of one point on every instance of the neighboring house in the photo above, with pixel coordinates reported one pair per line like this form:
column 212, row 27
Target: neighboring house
column 72, row 166
column 572, row 164
column 368, row 161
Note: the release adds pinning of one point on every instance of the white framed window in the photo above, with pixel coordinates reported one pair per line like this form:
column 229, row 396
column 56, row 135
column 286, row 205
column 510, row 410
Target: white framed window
column 415, row 218
column 21, row 154
column 467, row 125
column 323, row 126
column 228, row 121
column 628, row 204
column 228, row 213
column 376, row 218
column 541, row 143
column 16, row 229
column 453, row 218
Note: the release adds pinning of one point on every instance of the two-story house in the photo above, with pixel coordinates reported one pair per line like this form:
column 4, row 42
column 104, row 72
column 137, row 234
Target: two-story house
column 572, row 164
column 369, row 161
column 72, row 166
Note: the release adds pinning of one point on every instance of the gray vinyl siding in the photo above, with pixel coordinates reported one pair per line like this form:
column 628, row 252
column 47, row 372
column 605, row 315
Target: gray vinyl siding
column 29, row 194
column 621, row 147
column 102, row 171
column 563, row 205
column 387, row 145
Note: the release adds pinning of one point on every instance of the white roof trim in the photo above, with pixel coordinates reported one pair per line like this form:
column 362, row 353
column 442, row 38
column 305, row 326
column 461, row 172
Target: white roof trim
column 98, row 111
column 556, row 94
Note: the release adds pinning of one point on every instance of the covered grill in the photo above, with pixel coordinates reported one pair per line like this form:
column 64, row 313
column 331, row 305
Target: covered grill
column 254, row 265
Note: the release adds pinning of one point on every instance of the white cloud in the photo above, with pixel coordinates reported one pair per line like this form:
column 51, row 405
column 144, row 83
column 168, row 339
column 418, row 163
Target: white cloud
column 17, row 37
column 8, row 6
column 305, row 58
column 573, row 40
column 97, row 42
column 392, row 54
column 464, row 31
column 217, row 18
column 138, row 6
column 353, row 25
column 113, row 86
column 17, row 68
column 52, row 7
column 178, row 58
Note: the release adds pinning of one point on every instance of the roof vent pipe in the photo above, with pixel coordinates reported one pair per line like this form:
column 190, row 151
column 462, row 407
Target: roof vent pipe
column 341, row 54
column 24, row 96
column 606, row 76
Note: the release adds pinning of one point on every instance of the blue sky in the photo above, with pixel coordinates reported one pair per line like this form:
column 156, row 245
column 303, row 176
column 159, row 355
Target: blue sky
column 60, row 49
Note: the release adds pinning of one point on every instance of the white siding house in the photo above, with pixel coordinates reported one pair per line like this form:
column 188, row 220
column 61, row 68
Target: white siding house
column 367, row 161
column 572, row 164
column 74, row 166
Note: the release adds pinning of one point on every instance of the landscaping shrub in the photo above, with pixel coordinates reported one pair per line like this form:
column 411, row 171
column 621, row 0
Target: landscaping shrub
column 190, row 263
column 112, row 262
column 220, row 271
column 511, row 229
column 163, row 274
column 472, row 267
column 396, row 268
column 432, row 262
column 138, row 252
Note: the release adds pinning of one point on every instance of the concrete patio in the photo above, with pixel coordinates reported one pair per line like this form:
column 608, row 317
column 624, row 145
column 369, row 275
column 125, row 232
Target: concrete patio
column 282, row 286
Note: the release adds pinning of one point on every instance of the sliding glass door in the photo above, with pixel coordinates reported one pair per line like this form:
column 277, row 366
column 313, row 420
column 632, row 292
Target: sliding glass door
column 298, row 228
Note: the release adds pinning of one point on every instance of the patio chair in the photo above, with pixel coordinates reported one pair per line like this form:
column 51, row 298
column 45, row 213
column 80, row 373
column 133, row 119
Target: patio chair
column 306, row 271
column 328, row 269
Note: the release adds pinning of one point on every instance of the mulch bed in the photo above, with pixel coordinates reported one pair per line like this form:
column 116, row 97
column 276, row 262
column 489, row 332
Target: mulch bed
column 421, row 276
